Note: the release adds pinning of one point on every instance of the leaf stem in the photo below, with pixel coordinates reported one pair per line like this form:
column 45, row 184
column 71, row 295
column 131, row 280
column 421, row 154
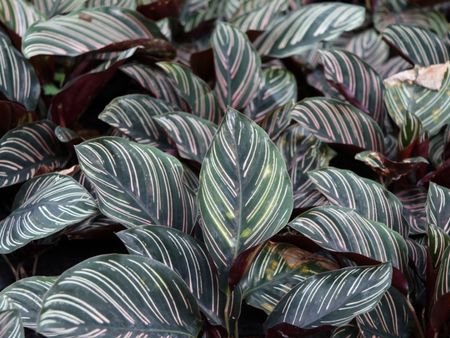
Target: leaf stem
column 8, row 262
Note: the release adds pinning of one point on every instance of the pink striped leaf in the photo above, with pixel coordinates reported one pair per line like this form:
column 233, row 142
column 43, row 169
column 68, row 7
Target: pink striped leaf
column 277, row 120
column 441, row 307
column 334, row 121
column 258, row 15
column 237, row 67
column 414, row 200
column 370, row 47
column 18, row 15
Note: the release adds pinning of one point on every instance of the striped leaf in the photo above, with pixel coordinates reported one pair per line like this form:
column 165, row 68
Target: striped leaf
column 43, row 206
column 441, row 309
column 51, row 8
column 422, row 92
column 245, row 195
column 350, row 330
column 334, row 121
column 88, row 30
column 237, row 67
column 276, row 121
column 390, row 318
column 417, row 45
column 438, row 242
column 184, row 255
column 27, row 149
column 131, row 4
column 332, row 298
column 18, row 15
column 342, row 230
column 65, row 135
column 196, row 92
column 191, row 134
column 18, row 80
column 393, row 66
column 260, row 16
column 137, row 184
column 119, row 296
column 418, row 253
column 26, row 297
column 277, row 268
column 368, row 198
column 358, row 82
column 277, row 88
column 370, row 47
column 11, row 325
column 438, row 207
column 309, row 25
column 156, row 82
column 134, row 115
column 413, row 201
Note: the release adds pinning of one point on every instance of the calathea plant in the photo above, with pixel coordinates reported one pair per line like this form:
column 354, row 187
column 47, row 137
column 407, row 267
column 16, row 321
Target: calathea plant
column 224, row 168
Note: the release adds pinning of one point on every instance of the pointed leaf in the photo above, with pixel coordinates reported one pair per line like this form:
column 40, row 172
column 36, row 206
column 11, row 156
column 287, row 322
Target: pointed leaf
column 27, row 149
column 332, row 298
column 311, row 24
column 245, row 195
column 438, row 241
column 137, row 184
column 11, row 325
column 438, row 207
column 334, row 121
column 43, row 206
column 119, row 296
column 237, row 67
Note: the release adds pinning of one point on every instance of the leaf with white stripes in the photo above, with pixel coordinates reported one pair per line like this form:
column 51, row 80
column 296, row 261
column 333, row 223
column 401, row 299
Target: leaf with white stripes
column 422, row 92
column 51, row 8
column 393, row 66
column 441, row 307
column 414, row 200
column 350, row 330
column 11, row 325
column 358, row 82
column 89, row 30
column 368, row 198
column 184, row 255
column 370, row 47
column 438, row 241
column 18, row 15
column 237, row 67
column 277, row 268
column 196, row 92
column 332, row 298
column 277, row 120
column 342, row 230
column 311, row 24
column 191, row 134
column 134, row 115
column 438, row 207
column 259, row 18
column 18, row 80
column 119, row 296
column 277, row 88
column 137, row 184
column 44, row 205
column 26, row 297
column 131, row 4
column 417, row 45
column 334, row 121
column 27, row 149
column 245, row 195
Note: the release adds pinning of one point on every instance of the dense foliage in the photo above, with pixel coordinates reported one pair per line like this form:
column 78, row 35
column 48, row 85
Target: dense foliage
column 224, row 168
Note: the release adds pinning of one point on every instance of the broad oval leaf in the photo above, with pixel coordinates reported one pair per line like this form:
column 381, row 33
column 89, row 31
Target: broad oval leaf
column 306, row 27
column 184, row 255
column 134, row 116
column 18, row 15
column 332, row 298
column 18, row 80
column 137, row 184
column 245, row 194
column 88, row 30
column 368, row 198
column 191, row 134
column 43, row 206
column 119, row 296
column 26, row 297
column 343, row 230
column 358, row 82
column 278, row 87
column 27, row 149
column 419, row 46
column 11, row 325
column 438, row 207
column 334, row 121
column 237, row 67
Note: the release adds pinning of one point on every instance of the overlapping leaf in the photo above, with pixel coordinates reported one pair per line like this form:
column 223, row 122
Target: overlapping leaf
column 26, row 150
column 191, row 134
column 184, row 255
column 441, row 297
column 148, row 186
column 413, row 201
column 438, row 207
column 370, row 47
column 245, row 195
column 258, row 15
column 438, row 241
column 11, row 325
column 43, row 206
column 307, row 26
column 277, row 120
column 237, row 67
column 119, row 295
column 370, row 199
column 18, row 15
column 334, row 121
column 332, row 298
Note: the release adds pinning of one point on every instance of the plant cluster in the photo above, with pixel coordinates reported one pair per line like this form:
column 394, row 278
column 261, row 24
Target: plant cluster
column 224, row 168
